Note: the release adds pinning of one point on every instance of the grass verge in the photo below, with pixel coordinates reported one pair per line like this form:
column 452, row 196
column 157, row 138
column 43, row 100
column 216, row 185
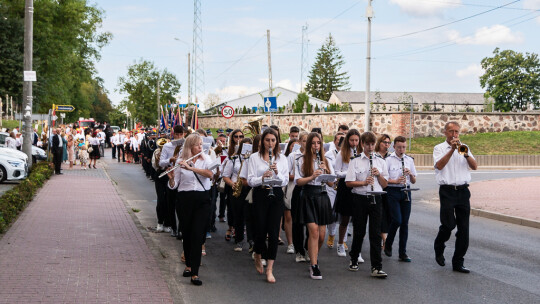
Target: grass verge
column 14, row 201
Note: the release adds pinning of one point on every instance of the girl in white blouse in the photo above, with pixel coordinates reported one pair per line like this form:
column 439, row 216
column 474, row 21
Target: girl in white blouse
column 267, row 209
column 315, row 208
column 192, row 180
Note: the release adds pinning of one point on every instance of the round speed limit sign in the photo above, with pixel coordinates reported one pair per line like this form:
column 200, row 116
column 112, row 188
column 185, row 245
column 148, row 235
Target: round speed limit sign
column 227, row 112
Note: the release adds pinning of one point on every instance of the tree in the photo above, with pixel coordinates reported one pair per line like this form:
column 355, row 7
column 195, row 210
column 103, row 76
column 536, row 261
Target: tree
column 211, row 100
column 298, row 104
column 117, row 117
column 512, row 79
column 325, row 76
column 140, row 85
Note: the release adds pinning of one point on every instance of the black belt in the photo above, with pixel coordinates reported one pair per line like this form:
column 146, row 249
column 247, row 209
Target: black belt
column 452, row 187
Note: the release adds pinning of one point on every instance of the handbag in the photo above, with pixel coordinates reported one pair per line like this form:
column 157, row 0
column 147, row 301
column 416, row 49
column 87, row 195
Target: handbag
column 221, row 186
column 90, row 149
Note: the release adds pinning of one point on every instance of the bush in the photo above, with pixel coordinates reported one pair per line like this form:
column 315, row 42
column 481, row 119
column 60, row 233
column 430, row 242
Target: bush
column 14, row 201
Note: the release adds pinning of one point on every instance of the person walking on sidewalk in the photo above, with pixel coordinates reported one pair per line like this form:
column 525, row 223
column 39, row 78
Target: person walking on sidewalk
column 57, row 149
column 453, row 176
column 94, row 153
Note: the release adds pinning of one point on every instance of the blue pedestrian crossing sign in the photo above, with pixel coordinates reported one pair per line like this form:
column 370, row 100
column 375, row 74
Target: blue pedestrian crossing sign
column 270, row 104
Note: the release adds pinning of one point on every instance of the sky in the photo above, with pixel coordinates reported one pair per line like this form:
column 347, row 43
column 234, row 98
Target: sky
column 417, row 45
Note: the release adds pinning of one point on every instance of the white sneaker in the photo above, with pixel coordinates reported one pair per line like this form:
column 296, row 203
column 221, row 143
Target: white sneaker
column 290, row 249
column 159, row 228
column 378, row 273
column 300, row 258
column 360, row 260
column 341, row 250
column 263, row 262
column 167, row 229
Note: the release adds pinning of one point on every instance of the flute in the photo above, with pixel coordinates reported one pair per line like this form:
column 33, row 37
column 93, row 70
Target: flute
column 178, row 165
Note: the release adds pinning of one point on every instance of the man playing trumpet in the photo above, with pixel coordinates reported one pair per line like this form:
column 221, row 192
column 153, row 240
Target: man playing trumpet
column 452, row 162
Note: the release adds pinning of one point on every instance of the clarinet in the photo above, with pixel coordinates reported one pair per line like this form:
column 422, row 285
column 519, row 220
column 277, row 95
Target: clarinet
column 371, row 174
column 406, row 185
column 270, row 163
column 323, row 186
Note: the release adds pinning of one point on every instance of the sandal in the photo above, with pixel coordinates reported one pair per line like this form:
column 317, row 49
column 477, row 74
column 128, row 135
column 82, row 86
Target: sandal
column 228, row 235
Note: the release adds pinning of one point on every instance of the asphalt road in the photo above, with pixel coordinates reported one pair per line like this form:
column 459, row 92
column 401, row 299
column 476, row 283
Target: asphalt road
column 7, row 185
column 504, row 259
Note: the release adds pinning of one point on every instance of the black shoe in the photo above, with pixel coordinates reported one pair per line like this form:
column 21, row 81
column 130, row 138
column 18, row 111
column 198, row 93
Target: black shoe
column 213, row 228
column 405, row 258
column 388, row 251
column 179, row 236
column 59, row 173
column 461, row 269
column 440, row 260
column 186, row 273
column 196, row 281
column 174, row 234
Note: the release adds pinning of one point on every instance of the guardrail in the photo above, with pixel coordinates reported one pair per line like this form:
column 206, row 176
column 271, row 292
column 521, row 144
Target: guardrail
column 426, row 160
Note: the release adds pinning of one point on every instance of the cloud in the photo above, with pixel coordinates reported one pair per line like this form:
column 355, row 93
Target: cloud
column 423, row 8
column 494, row 35
column 532, row 5
column 474, row 70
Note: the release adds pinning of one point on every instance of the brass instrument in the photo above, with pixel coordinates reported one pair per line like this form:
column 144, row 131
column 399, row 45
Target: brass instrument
column 254, row 126
column 319, row 162
column 270, row 163
column 178, row 165
column 161, row 142
column 157, row 153
column 462, row 148
column 237, row 187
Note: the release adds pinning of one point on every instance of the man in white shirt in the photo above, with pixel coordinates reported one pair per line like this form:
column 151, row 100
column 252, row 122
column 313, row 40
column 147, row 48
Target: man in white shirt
column 120, row 146
column 343, row 129
column 114, row 139
column 57, row 149
column 452, row 164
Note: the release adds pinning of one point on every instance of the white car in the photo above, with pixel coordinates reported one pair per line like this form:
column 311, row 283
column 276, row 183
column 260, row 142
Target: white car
column 37, row 153
column 14, row 153
column 12, row 168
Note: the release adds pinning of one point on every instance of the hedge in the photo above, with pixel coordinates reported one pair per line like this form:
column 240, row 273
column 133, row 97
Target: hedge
column 14, row 201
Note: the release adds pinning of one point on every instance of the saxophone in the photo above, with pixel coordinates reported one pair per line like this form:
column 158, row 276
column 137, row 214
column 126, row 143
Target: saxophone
column 237, row 187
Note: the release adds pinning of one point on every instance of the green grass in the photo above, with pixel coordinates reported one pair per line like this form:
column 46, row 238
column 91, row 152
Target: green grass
column 503, row 143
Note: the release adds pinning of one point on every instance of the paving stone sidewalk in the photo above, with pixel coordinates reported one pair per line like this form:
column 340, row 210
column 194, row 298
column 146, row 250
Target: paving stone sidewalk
column 516, row 197
column 77, row 243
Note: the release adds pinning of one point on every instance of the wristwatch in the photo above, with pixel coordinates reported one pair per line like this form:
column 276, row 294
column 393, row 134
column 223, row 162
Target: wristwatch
column 466, row 155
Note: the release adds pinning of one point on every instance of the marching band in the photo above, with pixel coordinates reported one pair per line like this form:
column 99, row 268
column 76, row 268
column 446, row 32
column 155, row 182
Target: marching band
column 304, row 187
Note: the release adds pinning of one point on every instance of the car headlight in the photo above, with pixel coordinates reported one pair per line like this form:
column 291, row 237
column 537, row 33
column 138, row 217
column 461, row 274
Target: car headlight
column 16, row 163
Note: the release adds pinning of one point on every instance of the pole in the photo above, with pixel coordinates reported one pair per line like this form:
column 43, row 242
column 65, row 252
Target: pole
column 27, row 85
column 411, row 123
column 1, row 111
column 269, row 73
column 369, row 15
column 189, row 78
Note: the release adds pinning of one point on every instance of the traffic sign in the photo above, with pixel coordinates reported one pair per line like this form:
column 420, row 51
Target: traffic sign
column 65, row 108
column 227, row 112
column 270, row 104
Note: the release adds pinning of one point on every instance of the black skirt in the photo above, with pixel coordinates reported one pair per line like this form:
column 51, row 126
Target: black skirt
column 95, row 152
column 316, row 207
column 344, row 199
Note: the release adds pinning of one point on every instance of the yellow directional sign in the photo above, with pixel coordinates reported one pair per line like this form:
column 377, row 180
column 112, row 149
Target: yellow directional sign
column 65, row 108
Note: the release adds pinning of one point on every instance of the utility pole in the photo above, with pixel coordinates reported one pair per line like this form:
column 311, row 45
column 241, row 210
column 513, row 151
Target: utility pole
column 28, row 134
column 270, row 90
column 304, row 64
column 369, row 15
column 189, row 78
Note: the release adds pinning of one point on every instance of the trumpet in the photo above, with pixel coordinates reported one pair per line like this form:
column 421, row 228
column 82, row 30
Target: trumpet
column 323, row 186
column 462, row 148
column 270, row 163
column 178, row 165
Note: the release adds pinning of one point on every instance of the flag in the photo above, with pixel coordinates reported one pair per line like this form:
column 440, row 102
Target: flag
column 178, row 117
column 194, row 118
column 163, row 121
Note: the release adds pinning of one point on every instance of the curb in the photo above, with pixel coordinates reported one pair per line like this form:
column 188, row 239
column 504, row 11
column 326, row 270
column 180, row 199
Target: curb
column 505, row 218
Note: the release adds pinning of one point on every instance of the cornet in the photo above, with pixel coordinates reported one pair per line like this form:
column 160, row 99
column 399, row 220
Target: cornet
column 462, row 148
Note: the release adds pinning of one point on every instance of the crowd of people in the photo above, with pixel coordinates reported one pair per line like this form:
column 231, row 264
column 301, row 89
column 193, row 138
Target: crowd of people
column 305, row 187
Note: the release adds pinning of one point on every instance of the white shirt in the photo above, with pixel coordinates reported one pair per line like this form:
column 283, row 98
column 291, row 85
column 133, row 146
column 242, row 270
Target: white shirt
column 166, row 153
column 94, row 141
column 299, row 174
column 359, row 170
column 114, row 139
column 101, row 136
column 291, row 160
column 232, row 168
column 257, row 166
column 185, row 180
column 60, row 141
column 342, row 167
column 456, row 172
column 11, row 142
column 395, row 168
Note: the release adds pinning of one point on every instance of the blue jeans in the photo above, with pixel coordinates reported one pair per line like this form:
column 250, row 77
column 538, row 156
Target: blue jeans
column 400, row 211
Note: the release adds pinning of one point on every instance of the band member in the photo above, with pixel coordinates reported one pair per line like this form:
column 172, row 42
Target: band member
column 401, row 174
column 287, row 217
column 381, row 150
column 250, row 217
column 452, row 173
column 367, row 173
column 343, row 204
column 315, row 208
column 234, row 142
column 331, row 157
column 192, row 181
column 267, row 203
column 161, row 187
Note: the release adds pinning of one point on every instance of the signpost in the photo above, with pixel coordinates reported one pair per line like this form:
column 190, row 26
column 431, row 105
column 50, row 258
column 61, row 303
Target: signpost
column 270, row 104
column 65, row 108
column 227, row 112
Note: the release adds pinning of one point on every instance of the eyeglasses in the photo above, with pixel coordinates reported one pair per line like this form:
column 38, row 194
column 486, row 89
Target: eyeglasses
column 386, row 142
column 238, row 136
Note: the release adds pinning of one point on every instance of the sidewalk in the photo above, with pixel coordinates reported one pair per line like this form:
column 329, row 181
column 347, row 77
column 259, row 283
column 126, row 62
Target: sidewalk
column 77, row 243
column 511, row 200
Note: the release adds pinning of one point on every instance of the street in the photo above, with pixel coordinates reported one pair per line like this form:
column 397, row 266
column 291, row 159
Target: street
column 503, row 258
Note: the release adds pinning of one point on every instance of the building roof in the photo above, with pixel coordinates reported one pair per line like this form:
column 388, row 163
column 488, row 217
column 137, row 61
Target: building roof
column 284, row 96
column 358, row 97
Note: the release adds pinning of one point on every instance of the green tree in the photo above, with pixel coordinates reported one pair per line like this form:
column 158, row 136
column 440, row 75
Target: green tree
column 140, row 85
column 512, row 79
column 117, row 117
column 298, row 104
column 326, row 76
column 244, row 110
column 11, row 55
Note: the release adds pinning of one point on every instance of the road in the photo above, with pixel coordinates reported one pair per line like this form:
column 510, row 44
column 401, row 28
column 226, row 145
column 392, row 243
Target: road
column 7, row 185
column 504, row 259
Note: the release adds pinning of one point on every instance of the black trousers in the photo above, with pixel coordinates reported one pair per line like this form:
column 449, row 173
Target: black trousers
column 267, row 214
column 399, row 209
column 299, row 242
column 113, row 151
column 161, row 193
column 193, row 208
column 57, row 159
column 170, row 210
column 120, row 150
column 455, row 211
column 222, row 202
column 240, row 208
column 364, row 208
column 212, row 217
